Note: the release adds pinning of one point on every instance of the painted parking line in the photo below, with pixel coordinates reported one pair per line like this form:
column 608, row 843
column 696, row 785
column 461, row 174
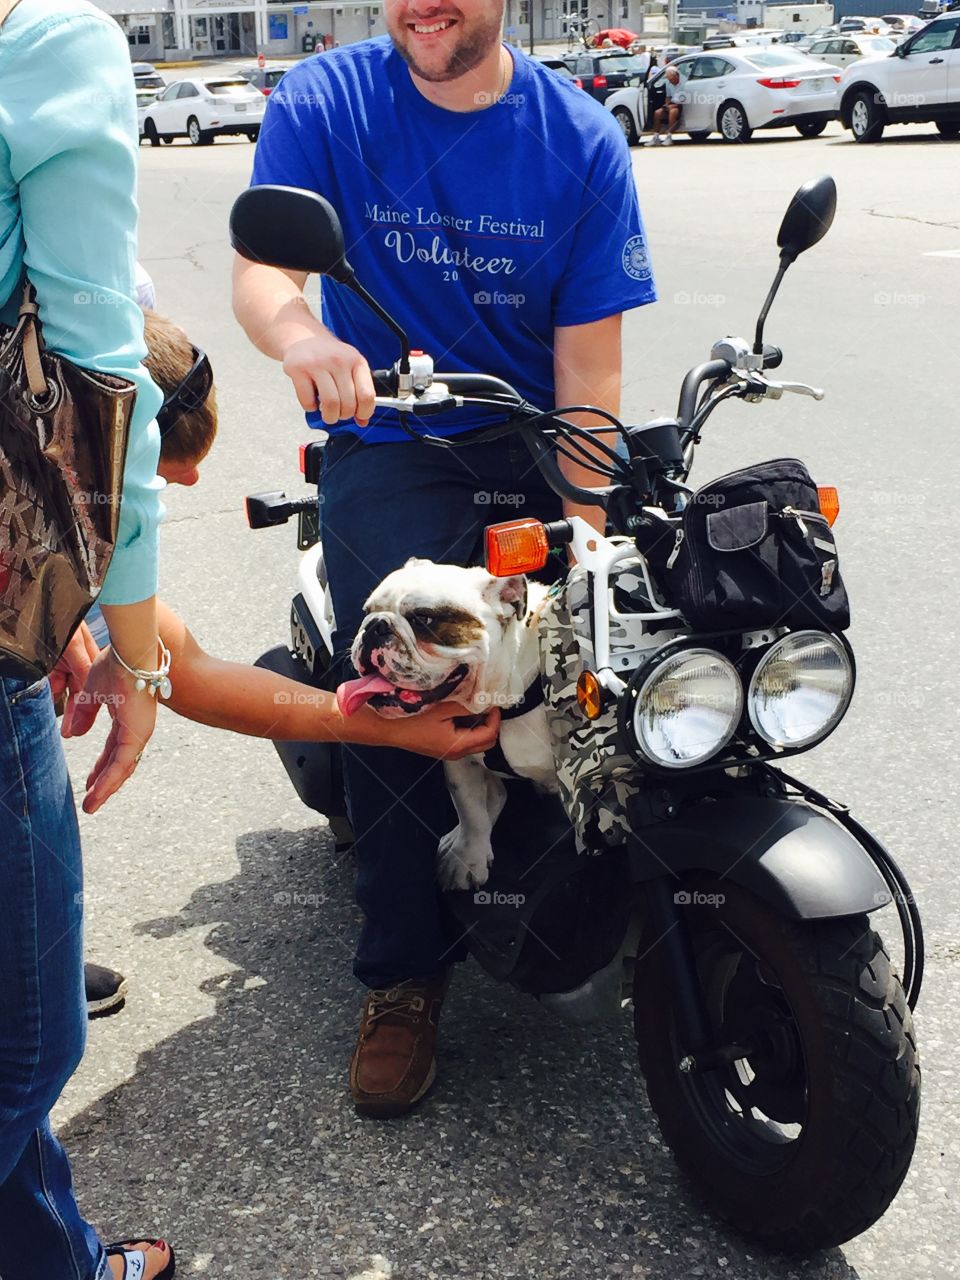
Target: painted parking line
column 942, row 253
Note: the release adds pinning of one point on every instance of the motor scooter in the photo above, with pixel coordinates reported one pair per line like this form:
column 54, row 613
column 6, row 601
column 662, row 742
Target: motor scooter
column 686, row 872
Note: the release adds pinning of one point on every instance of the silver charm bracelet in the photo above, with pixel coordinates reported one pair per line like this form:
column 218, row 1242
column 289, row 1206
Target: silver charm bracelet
column 155, row 682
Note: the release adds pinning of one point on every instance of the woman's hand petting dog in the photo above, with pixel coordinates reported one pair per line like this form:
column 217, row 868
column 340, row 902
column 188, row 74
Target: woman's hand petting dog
column 445, row 731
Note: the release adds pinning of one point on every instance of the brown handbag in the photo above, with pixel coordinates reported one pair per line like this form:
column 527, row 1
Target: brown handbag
column 63, row 442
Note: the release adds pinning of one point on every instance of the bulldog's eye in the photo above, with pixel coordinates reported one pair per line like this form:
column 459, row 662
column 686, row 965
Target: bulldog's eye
column 424, row 619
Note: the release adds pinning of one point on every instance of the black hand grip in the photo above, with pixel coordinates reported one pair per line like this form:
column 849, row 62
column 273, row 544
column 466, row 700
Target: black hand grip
column 692, row 383
column 383, row 382
column 772, row 356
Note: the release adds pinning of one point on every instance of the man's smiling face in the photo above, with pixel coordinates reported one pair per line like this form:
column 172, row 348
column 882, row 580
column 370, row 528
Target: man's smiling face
column 440, row 40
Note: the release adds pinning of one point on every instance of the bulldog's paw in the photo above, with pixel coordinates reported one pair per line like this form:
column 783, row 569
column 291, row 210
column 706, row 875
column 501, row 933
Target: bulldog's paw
column 462, row 863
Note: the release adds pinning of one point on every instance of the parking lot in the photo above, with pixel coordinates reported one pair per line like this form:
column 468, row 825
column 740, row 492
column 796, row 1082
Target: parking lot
column 214, row 1109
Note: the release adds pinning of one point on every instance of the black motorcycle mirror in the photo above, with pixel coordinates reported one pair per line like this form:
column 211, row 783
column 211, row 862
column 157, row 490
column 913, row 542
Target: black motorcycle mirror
column 300, row 231
column 807, row 220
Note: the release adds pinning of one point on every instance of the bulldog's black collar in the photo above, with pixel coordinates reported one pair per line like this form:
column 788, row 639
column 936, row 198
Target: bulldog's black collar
column 494, row 759
column 532, row 698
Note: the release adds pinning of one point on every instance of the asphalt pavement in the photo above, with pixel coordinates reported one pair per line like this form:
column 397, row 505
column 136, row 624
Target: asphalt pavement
column 214, row 1109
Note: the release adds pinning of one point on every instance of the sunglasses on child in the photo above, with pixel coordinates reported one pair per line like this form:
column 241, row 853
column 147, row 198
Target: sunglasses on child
column 188, row 395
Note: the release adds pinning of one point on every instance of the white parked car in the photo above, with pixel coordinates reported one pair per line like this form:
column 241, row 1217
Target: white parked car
column 918, row 82
column 840, row 51
column 902, row 24
column 200, row 109
column 734, row 91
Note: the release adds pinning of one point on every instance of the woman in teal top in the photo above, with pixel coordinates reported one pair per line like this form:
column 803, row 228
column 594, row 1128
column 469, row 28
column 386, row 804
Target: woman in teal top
column 68, row 217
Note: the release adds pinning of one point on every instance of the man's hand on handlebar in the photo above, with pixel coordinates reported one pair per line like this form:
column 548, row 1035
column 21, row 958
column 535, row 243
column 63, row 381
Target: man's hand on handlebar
column 331, row 377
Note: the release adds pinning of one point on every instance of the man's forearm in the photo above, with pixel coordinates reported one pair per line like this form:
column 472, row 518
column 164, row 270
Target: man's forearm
column 271, row 308
column 587, row 371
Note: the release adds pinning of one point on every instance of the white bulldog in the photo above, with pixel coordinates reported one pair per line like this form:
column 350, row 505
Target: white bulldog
column 436, row 631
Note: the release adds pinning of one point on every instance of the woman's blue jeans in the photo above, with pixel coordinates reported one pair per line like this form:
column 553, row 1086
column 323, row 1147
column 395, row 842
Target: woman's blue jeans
column 42, row 1009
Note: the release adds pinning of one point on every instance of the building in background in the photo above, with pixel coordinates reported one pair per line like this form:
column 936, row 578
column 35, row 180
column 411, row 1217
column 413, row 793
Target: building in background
column 174, row 30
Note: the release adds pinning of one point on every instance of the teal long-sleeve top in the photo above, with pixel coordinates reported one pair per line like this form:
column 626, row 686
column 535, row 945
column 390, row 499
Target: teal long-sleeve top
column 68, row 212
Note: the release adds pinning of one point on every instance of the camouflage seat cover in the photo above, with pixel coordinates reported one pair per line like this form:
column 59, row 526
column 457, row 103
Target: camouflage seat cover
column 596, row 776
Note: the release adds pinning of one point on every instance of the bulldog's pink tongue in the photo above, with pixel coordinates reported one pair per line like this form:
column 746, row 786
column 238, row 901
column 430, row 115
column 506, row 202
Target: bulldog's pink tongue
column 352, row 694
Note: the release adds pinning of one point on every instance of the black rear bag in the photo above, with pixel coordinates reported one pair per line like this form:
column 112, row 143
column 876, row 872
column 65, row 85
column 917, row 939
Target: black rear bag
column 750, row 550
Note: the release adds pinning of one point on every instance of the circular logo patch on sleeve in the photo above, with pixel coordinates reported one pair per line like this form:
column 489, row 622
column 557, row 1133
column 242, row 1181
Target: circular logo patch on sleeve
column 636, row 260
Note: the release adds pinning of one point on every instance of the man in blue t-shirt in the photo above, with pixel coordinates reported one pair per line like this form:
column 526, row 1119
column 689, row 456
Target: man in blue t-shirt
column 491, row 208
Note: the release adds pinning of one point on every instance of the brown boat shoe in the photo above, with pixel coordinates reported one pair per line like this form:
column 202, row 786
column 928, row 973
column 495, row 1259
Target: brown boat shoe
column 394, row 1065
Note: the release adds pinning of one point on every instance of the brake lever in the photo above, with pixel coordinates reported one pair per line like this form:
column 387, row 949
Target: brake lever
column 436, row 399
column 758, row 387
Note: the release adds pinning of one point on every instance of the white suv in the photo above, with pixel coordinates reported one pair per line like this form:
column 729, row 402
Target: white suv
column 919, row 81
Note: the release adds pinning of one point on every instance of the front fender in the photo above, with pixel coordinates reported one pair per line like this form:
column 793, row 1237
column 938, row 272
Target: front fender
column 798, row 860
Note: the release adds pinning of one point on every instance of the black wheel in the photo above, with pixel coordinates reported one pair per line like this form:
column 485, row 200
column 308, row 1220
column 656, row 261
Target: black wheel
column 198, row 137
column 732, row 123
column 804, row 1140
column 948, row 128
column 253, row 134
column 866, row 117
column 699, row 135
column 811, row 128
column 150, row 133
column 624, row 119
column 166, row 138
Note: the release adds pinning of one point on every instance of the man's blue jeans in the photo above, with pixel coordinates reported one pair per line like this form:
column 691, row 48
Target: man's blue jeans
column 42, row 1010
column 380, row 505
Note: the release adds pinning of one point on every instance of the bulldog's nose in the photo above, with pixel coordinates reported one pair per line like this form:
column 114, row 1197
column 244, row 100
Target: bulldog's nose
column 376, row 629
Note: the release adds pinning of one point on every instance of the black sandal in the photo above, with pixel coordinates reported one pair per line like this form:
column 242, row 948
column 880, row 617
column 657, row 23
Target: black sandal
column 135, row 1260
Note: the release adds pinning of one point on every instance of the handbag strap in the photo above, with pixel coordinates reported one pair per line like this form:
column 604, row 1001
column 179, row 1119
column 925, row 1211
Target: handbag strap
column 31, row 343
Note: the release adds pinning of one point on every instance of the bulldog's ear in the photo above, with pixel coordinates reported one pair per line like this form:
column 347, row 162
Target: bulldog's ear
column 510, row 592
column 416, row 560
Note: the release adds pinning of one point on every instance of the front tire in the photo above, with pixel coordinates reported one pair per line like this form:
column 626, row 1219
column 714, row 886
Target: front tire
column 866, row 118
column 732, row 123
column 253, row 134
column 625, row 120
column 150, row 133
column 803, row 1143
column 948, row 128
column 811, row 128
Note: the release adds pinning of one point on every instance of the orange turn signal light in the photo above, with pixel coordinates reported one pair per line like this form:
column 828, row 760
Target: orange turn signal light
column 589, row 695
column 516, row 546
column 829, row 501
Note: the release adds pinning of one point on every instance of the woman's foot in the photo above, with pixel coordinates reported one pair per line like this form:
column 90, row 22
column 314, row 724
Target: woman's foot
column 140, row 1260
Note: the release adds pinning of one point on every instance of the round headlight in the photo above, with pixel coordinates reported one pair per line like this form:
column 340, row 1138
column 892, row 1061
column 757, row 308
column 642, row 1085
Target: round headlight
column 801, row 689
column 688, row 708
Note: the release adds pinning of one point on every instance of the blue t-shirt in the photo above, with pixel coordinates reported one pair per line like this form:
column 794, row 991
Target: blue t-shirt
column 480, row 232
